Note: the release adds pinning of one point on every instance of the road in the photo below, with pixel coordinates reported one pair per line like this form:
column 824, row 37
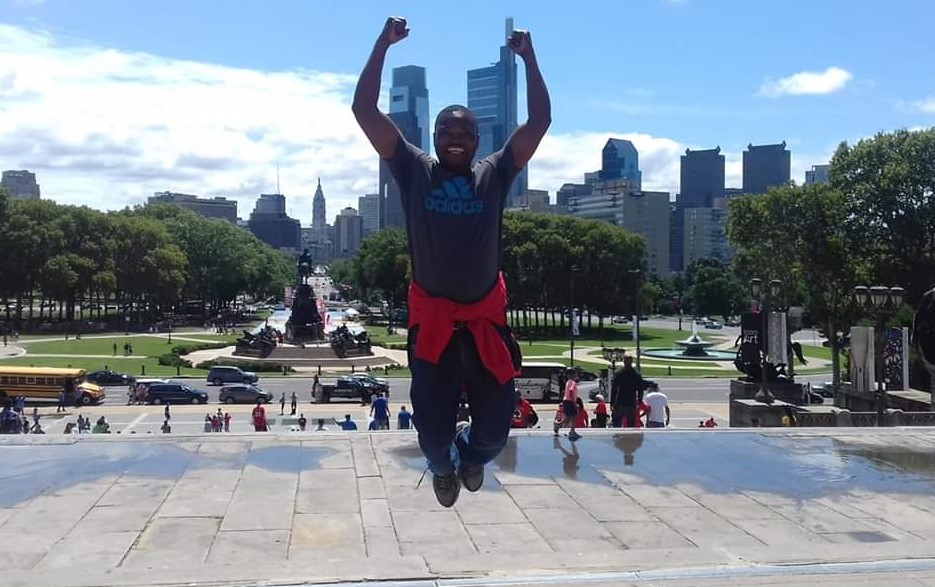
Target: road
column 691, row 399
column 679, row 390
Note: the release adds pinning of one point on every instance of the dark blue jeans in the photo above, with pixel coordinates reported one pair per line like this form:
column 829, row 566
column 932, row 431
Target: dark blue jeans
column 435, row 393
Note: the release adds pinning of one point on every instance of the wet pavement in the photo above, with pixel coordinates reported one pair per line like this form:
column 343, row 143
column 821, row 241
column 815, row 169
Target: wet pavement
column 94, row 510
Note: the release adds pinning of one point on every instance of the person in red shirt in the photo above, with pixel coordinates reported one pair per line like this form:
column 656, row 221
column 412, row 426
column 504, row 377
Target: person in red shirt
column 600, row 412
column 524, row 416
column 581, row 419
column 259, row 417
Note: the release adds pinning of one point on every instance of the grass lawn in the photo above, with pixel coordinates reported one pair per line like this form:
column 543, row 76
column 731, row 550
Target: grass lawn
column 149, row 346
column 379, row 337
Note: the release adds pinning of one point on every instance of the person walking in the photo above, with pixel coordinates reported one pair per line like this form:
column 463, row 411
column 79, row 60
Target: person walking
column 282, row 404
column 626, row 394
column 657, row 409
column 295, row 403
column 458, row 335
column 570, row 403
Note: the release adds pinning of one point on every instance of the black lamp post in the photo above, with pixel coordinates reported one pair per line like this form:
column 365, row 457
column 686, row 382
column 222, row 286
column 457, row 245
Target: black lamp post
column 762, row 298
column 169, row 342
column 614, row 356
column 572, row 314
column 881, row 303
column 637, row 273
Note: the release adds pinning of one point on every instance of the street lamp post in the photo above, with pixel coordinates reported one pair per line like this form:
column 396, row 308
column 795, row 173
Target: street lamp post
column 614, row 355
column 169, row 342
column 572, row 315
column 764, row 395
column 636, row 297
column 881, row 303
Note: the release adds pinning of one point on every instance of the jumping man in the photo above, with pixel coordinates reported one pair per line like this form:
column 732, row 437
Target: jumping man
column 458, row 337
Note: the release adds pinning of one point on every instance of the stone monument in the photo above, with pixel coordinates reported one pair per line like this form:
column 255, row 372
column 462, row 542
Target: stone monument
column 305, row 322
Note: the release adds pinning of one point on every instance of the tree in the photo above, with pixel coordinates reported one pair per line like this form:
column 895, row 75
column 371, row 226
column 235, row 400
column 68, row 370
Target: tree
column 800, row 235
column 383, row 263
column 714, row 290
column 888, row 183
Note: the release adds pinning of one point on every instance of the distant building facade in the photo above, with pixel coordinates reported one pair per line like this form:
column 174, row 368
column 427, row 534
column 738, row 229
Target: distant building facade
column 21, row 184
column 371, row 212
column 620, row 203
column 705, row 236
column 216, row 207
column 620, row 160
column 766, row 166
column 270, row 223
column 492, row 96
column 348, row 231
column 319, row 223
column 409, row 110
column 818, row 174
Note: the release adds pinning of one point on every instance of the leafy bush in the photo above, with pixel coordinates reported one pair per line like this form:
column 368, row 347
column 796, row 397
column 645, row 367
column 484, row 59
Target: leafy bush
column 246, row 365
column 171, row 360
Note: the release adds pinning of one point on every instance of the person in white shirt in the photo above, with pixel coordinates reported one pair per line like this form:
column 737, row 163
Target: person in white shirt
column 657, row 414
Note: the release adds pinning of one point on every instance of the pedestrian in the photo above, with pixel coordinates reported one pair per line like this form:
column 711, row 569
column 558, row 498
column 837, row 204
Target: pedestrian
column 321, row 426
column 35, row 415
column 626, row 393
column 600, row 412
column 657, row 412
column 302, row 422
column 259, row 417
column 166, row 414
column 570, row 403
column 115, row 349
column 457, row 301
column 166, row 429
column 130, row 348
column 126, row 349
column 207, row 426
column 581, row 420
column 215, row 423
column 294, row 404
column 61, row 401
column 227, row 422
column 380, row 412
column 282, row 404
column 403, row 419
column 348, row 424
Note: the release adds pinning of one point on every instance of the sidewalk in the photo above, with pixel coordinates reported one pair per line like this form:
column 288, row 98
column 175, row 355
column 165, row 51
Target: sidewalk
column 712, row 507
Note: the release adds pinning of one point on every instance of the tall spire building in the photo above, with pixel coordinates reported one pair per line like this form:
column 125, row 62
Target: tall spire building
column 319, row 230
column 492, row 97
column 409, row 110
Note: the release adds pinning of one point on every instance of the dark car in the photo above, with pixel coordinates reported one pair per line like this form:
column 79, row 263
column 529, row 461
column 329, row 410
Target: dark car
column 174, row 393
column 108, row 377
column 221, row 374
column 380, row 385
column 231, row 394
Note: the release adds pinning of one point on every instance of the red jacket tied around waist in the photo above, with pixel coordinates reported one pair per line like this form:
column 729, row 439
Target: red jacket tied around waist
column 436, row 316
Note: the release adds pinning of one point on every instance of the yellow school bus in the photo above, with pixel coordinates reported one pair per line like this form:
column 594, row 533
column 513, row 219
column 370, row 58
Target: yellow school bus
column 45, row 383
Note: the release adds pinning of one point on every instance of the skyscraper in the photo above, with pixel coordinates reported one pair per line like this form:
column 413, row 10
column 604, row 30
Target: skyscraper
column 21, row 184
column 348, row 229
column 318, row 215
column 818, row 174
column 270, row 223
column 409, row 110
column 371, row 210
column 621, row 160
column 766, row 166
column 492, row 97
column 701, row 177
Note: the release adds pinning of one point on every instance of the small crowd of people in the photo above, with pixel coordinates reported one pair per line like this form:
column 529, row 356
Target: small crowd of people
column 219, row 422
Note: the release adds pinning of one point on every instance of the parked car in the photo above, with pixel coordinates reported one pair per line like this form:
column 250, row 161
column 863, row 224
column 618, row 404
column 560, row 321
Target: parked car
column 349, row 387
column 713, row 325
column 621, row 320
column 108, row 377
column 243, row 393
column 732, row 322
column 221, row 374
column 174, row 393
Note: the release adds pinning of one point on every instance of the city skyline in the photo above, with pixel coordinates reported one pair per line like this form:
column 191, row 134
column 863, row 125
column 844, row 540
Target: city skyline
column 122, row 112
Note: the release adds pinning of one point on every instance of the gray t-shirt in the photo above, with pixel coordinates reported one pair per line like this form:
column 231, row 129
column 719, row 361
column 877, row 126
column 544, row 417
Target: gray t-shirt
column 454, row 222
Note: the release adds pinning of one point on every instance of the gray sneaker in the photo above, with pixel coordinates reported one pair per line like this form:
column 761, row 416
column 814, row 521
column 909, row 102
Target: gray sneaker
column 573, row 435
column 472, row 477
column 447, row 488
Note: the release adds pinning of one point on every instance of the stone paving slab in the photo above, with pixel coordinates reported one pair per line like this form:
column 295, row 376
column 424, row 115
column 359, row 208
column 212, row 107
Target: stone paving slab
column 248, row 509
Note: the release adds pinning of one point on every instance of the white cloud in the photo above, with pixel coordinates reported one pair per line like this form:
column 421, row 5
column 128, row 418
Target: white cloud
column 107, row 128
column 828, row 81
column 926, row 105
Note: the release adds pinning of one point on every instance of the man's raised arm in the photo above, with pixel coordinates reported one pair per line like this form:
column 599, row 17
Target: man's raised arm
column 525, row 139
column 383, row 134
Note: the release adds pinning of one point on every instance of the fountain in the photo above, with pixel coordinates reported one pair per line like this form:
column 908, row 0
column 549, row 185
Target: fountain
column 693, row 348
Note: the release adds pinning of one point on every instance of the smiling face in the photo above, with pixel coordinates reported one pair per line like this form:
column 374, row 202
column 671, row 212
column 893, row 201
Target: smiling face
column 456, row 138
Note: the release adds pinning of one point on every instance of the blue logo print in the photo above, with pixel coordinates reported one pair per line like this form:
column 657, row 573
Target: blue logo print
column 454, row 197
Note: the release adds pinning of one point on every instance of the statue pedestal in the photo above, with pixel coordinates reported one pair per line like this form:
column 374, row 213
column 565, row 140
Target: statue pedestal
column 749, row 413
column 789, row 392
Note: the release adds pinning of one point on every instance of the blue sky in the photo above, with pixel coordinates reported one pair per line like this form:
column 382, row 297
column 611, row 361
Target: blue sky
column 673, row 74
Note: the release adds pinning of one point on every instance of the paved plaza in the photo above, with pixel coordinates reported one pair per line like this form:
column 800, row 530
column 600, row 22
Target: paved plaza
column 703, row 507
